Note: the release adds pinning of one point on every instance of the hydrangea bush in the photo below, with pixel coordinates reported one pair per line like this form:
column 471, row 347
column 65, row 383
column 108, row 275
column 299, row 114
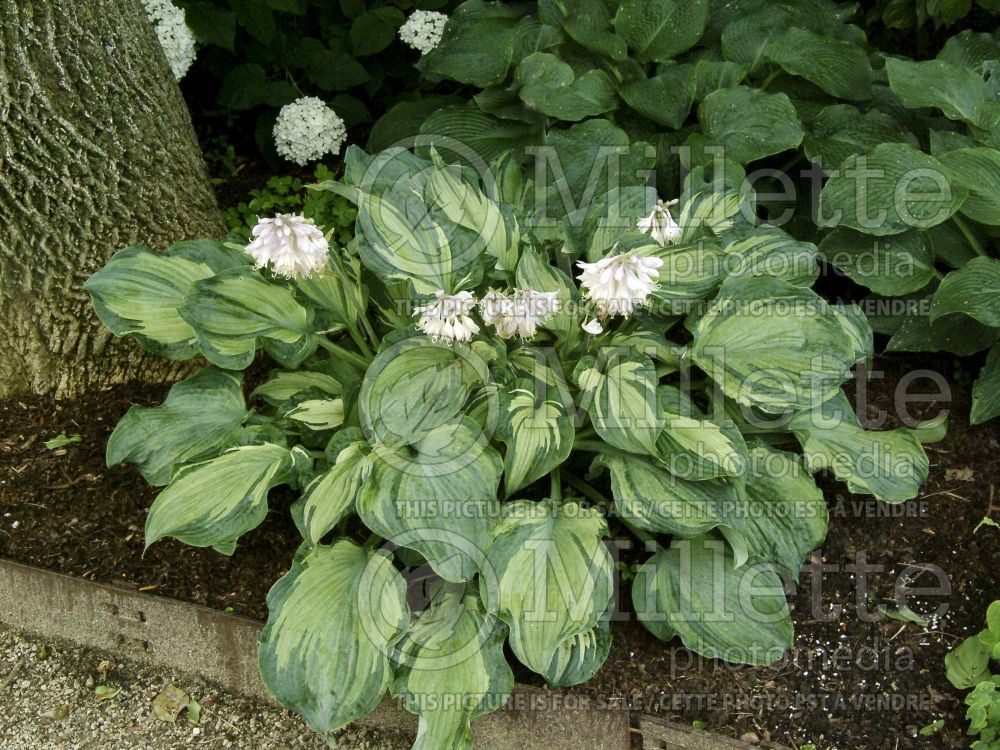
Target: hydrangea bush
column 473, row 396
column 175, row 37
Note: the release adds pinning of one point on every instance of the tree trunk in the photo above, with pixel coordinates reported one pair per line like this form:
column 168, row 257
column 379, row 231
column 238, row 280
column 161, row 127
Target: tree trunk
column 97, row 152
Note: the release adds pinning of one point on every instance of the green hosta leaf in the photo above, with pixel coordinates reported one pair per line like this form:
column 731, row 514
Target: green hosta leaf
column 541, row 438
column 317, row 413
column 708, row 75
column 698, row 449
column 841, row 130
column 619, row 391
column 858, row 329
column 283, row 385
column 485, row 135
column 331, row 495
column 550, row 86
column 957, row 334
column 588, row 23
column 213, row 503
column 453, row 649
column 477, row 45
column 749, row 124
column 665, row 98
column 973, row 290
column 787, row 516
column 649, row 497
column 339, row 611
column 412, row 388
column 889, row 190
column 200, row 417
column 968, row 664
column 236, row 311
column 970, row 49
column 553, row 577
column 659, row 30
column 840, row 68
column 769, row 251
column 978, row 171
column 745, row 39
column 139, row 293
column 437, row 497
column 959, row 93
column 694, row 590
column 773, row 345
column 986, row 390
column 891, row 266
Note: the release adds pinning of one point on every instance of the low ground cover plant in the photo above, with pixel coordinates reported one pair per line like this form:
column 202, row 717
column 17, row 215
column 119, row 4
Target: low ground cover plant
column 969, row 666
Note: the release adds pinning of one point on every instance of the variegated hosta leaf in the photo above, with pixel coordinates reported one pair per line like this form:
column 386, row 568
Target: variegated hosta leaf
column 770, row 251
column 619, row 391
column 693, row 447
column 649, row 497
column 210, row 504
column 333, row 621
column 238, row 311
column 139, row 291
column 773, row 345
column 695, row 591
column 540, row 438
column 283, row 385
column 855, row 324
column 579, row 657
column 552, row 575
column 787, row 516
column 201, row 416
column 331, row 495
column 717, row 212
column 318, row 413
column 689, row 272
column 452, row 668
column 438, row 496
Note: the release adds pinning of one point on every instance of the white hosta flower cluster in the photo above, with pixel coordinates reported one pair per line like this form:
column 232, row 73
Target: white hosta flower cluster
column 518, row 314
column 447, row 317
column 660, row 225
column 423, row 30
column 293, row 246
column 619, row 284
column 175, row 37
column 307, row 130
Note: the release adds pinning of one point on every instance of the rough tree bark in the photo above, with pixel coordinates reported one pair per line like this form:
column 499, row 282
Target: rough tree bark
column 96, row 152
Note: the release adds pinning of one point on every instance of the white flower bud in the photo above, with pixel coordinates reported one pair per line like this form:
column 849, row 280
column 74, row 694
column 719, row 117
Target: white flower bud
column 660, row 225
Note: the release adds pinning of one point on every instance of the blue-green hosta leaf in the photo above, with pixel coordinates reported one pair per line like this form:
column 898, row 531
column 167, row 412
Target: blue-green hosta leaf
column 285, row 384
column 550, row 86
column 412, row 388
column 695, row 591
column 889, row 190
column 201, row 416
column 986, row 390
column 659, row 30
column 331, row 495
column 213, row 503
column 235, row 312
column 840, row 130
column 540, row 438
column 619, row 391
column 485, row 135
column 139, row 292
column 840, row 68
column 973, row 290
column 665, row 98
column 749, row 124
column 773, row 345
column 787, row 516
column 649, row 497
column 770, row 251
column 978, row 171
column 452, row 649
column 890, row 266
column 553, row 577
column 438, row 496
column 333, row 621
column 959, row 93
column 580, row 657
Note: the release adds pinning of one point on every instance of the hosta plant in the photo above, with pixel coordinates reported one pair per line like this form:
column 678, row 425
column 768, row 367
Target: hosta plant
column 471, row 399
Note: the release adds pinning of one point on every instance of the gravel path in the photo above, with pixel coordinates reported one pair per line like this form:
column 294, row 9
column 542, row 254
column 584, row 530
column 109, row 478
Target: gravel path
column 55, row 696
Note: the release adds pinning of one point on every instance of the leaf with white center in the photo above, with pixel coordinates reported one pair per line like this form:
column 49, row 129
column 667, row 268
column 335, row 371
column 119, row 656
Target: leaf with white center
column 201, row 416
column 973, row 290
column 540, row 438
column 453, row 649
column 689, row 272
column 553, row 577
column 695, row 591
column 770, row 251
column 773, row 345
column 840, row 68
column 959, row 93
column 333, row 622
column 890, row 266
column 858, row 329
column 237, row 311
column 213, row 503
column 318, row 413
column 580, row 657
column 283, row 385
column 619, row 391
column 649, row 497
column 749, row 123
column 438, row 496
column 699, row 449
column 659, row 30
column 331, row 495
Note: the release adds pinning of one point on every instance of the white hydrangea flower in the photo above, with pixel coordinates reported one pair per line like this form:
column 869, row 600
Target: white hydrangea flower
column 519, row 314
column 292, row 245
column 307, row 130
column 175, row 37
column 593, row 327
column 660, row 225
column 447, row 317
column 620, row 283
column 423, row 30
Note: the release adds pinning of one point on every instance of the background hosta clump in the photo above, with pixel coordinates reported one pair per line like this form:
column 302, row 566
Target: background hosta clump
column 456, row 393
